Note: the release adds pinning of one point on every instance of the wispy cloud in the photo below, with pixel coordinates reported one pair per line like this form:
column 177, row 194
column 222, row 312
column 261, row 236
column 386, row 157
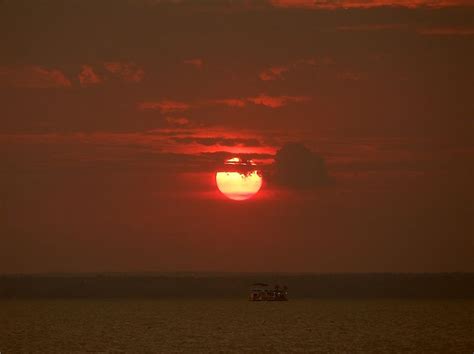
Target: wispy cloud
column 129, row 72
column 315, row 61
column 33, row 76
column 371, row 27
column 426, row 31
column 366, row 4
column 196, row 62
column 277, row 101
column 177, row 121
column 165, row 106
column 447, row 31
column 37, row 76
column 88, row 77
column 273, row 73
column 351, row 76
column 235, row 5
column 277, row 72
column 169, row 106
column 231, row 102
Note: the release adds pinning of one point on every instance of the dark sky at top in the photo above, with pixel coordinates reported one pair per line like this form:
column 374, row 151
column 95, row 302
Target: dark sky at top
column 114, row 115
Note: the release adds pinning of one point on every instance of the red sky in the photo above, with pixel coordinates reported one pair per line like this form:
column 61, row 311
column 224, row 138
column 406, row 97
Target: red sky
column 114, row 115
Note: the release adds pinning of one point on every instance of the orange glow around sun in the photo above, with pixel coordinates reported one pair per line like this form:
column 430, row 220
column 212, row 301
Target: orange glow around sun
column 239, row 184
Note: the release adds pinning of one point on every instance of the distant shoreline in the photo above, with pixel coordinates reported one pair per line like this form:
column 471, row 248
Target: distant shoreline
column 202, row 285
column 216, row 274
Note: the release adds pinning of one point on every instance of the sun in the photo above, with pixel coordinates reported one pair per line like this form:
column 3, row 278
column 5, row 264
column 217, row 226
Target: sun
column 239, row 179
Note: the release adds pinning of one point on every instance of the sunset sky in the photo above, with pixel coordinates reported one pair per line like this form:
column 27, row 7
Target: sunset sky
column 115, row 115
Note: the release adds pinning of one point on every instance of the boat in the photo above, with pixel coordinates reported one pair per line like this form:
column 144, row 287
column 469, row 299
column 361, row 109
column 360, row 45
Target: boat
column 263, row 292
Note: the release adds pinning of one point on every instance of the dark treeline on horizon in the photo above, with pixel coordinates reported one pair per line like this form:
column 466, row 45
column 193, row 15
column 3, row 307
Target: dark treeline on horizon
column 389, row 285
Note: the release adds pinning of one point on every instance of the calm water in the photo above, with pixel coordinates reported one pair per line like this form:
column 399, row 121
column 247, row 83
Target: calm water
column 236, row 325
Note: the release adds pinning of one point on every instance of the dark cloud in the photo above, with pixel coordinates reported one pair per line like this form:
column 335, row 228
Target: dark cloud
column 298, row 167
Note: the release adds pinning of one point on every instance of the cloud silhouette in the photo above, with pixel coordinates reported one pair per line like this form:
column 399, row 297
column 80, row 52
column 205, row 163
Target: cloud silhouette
column 298, row 167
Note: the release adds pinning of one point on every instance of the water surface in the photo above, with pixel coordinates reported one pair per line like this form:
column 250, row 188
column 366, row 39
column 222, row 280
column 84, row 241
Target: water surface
column 236, row 325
